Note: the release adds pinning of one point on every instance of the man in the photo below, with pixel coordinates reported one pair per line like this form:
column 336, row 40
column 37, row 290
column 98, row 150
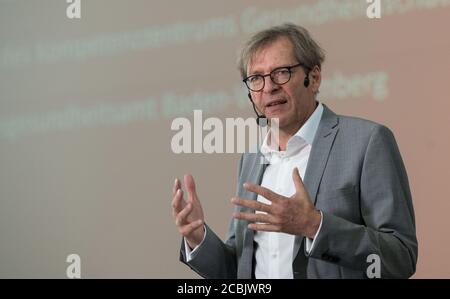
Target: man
column 333, row 197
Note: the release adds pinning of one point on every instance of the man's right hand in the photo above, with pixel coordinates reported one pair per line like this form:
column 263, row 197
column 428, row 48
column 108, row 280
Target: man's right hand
column 188, row 215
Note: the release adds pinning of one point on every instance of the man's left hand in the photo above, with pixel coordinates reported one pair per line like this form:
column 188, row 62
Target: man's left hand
column 295, row 215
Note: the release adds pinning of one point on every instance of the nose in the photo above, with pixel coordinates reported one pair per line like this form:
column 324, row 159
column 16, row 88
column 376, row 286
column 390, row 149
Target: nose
column 269, row 86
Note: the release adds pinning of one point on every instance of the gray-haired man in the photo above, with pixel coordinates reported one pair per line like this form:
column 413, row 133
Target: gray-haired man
column 334, row 192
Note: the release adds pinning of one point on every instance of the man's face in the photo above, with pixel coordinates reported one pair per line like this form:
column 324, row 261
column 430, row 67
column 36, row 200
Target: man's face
column 291, row 102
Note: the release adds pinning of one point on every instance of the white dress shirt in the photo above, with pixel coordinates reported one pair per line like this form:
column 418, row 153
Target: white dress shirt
column 274, row 252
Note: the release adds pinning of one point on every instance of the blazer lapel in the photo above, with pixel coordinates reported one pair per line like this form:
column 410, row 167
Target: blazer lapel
column 245, row 268
column 318, row 158
column 320, row 152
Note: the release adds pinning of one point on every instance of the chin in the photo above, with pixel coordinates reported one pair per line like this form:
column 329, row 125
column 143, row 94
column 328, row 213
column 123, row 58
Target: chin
column 282, row 120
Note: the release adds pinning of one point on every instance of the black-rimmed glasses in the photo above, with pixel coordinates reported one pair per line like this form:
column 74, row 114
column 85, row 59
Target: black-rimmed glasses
column 279, row 76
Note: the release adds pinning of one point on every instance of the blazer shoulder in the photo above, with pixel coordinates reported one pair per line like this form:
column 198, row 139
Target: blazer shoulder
column 355, row 126
column 365, row 133
column 353, row 121
column 362, row 126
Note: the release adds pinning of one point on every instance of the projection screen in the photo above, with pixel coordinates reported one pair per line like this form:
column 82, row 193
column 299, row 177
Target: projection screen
column 86, row 107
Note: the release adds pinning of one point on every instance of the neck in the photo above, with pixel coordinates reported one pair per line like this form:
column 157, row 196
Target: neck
column 288, row 131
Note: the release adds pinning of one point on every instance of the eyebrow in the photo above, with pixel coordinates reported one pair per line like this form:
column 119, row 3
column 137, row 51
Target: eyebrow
column 281, row 66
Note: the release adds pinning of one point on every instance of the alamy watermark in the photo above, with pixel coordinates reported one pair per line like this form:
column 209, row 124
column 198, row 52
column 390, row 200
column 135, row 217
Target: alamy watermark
column 374, row 269
column 374, row 9
column 73, row 10
column 74, row 268
column 220, row 137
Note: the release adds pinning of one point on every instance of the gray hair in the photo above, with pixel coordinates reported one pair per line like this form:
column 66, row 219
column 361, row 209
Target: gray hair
column 306, row 50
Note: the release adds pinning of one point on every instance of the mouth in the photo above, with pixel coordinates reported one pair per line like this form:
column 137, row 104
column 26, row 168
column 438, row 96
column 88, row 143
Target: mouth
column 275, row 104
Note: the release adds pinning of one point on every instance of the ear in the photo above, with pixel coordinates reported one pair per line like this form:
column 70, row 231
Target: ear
column 315, row 77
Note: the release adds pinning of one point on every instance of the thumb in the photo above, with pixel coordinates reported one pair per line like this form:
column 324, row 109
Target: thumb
column 190, row 187
column 299, row 187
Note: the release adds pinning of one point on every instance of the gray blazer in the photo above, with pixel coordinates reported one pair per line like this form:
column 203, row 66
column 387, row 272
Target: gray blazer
column 356, row 177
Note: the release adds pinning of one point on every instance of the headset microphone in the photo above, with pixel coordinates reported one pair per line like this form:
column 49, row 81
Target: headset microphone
column 261, row 120
column 306, row 81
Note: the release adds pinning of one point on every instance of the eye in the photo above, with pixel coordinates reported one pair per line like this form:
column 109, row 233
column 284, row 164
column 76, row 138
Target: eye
column 253, row 79
column 281, row 72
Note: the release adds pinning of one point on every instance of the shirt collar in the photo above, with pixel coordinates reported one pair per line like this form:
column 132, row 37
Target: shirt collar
column 309, row 129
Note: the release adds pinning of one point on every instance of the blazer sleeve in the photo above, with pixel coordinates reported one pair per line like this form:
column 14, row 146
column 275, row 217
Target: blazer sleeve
column 214, row 258
column 387, row 212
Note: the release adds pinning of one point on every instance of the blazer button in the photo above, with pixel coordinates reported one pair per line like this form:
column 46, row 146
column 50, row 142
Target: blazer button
column 325, row 256
column 334, row 259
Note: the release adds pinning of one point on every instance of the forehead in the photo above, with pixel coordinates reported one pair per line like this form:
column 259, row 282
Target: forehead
column 277, row 53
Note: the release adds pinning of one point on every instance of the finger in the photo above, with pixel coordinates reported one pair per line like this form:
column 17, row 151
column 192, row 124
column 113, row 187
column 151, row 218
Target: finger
column 190, row 187
column 176, row 186
column 181, row 217
column 253, row 217
column 252, row 204
column 189, row 228
column 178, row 203
column 266, row 193
column 264, row 227
column 298, row 182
